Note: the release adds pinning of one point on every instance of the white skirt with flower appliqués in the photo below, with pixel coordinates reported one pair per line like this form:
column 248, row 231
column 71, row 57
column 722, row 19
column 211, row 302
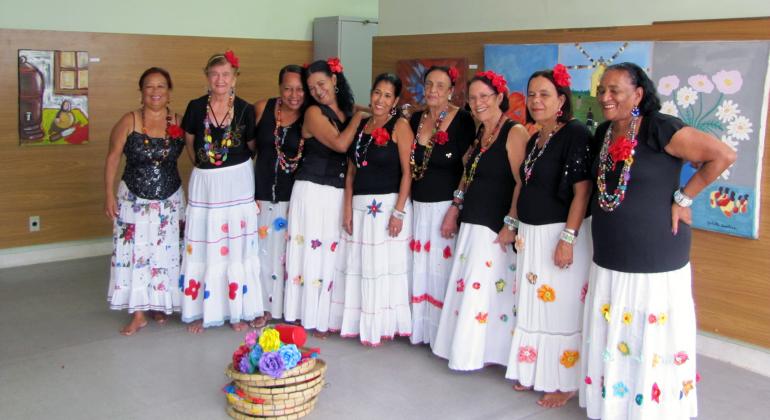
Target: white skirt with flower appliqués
column 639, row 345
column 315, row 222
column 478, row 318
column 370, row 297
column 272, row 233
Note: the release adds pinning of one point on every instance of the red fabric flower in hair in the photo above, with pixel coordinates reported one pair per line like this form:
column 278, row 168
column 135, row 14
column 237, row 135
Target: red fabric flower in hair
column 560, row 76
column 380, row 136
column 174, row 131
column 232, row 59
column 334, row 64
column 620, row 150
column 453, row 74
column 498, row 81
column 441, row 137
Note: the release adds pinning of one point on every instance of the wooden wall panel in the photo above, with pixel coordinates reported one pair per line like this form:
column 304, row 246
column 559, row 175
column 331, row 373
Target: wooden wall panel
column 63, row 184
column 731, row 275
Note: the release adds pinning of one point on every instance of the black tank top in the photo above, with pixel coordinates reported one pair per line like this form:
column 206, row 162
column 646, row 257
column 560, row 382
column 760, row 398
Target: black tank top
column 321, row 164
column 488, row 198
column 446, row 166
column 151, row 171
column 378, row 168
column 273, row 183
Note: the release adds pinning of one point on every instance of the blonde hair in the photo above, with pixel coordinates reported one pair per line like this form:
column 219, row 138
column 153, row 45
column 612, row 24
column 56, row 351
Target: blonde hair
column 218, row 59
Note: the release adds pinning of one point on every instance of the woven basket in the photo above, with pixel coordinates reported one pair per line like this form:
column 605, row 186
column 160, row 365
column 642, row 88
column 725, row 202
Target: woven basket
column 277, row 395
column 302, row 373
column 279, row 408
column 240, row 416
column 275, row 392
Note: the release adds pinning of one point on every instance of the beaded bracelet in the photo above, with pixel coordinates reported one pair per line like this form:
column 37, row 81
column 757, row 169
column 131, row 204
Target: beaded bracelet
column 398, row 214
column 511, row 222
column 459, row 194
column 568, row 236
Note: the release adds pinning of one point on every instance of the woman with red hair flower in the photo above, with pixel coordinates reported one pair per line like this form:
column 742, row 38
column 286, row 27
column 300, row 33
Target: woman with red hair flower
column 220, row 269
column 479, row 315
column 149, row 208
column 638, row 357
column 370, row 296
column 315, row 207
column 443, row 133
column 552, row 258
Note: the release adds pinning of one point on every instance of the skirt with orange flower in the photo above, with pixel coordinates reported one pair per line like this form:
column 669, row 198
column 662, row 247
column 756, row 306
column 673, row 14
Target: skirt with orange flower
column 478, row 318
column 272, row 254
column 220, row 265
column 639, row 345
column 547, row 343
column 432, row 260
column 370, row 297
column 147, row 253
column 315, row 221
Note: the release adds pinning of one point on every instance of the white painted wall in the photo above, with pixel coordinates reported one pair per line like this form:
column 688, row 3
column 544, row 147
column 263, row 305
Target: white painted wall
column 411, row 17
column 265, row 19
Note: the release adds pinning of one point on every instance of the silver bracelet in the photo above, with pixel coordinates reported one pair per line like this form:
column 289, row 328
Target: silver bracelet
column 511, row 222
column 568, row 236
column 459, row 194
column 398, row 214
column 682, row 199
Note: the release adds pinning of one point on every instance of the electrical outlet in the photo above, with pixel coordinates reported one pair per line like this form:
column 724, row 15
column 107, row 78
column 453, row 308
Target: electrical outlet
column 34, row 223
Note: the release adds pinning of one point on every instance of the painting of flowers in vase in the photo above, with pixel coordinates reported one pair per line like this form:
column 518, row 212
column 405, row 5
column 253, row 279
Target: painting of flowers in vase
column 720, row 88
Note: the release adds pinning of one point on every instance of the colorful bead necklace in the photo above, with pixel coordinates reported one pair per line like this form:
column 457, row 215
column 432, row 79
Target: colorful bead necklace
column 469, row 174
column 286, row 164
column 360, row 155
column 217, row 153
column 610, row 202
column 166, row 143
column 419, row 171
column 529, row 163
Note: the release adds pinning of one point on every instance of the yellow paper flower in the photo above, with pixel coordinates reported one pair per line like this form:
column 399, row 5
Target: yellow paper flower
column 662, row 318
column 270, row 340
column 569, row 358
column 546, row 293
column 627, row 318
column 606, row 311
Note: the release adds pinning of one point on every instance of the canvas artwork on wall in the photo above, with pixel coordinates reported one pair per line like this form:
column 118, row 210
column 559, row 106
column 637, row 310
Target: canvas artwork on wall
column 411, row 73
column 53, row 97
column 720, row 88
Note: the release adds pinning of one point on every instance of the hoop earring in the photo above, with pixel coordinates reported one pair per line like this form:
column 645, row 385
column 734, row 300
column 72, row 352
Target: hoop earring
column 635, row 111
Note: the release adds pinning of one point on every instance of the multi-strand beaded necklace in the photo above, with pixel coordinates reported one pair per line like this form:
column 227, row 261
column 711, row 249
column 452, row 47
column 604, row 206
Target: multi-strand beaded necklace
column 166, row 141
column 470, row 173
column 217, row 151
column 286, row 164
column 419, row 171
column 609, row 202
column 529, row 163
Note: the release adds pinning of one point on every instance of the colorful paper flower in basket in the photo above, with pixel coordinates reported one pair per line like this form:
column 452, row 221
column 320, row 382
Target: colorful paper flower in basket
column 267, row 354
column 270, row 340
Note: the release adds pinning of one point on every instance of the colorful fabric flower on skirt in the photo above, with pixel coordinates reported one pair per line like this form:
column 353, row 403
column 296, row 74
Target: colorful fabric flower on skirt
column 527, row 354
column 606, row 311
column 262, row 232
column 374, row 208
column 546, row 293
column 279, row 224
column 569, row 358
column 680, row 358
column 623, row 348
column 620, row 389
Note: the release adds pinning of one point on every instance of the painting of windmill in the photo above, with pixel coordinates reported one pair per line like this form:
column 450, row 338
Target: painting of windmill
column 586, row 63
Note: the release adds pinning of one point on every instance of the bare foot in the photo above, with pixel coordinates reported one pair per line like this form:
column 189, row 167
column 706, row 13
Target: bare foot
column 196, row 327
column 160, row 318
column 138, row 322
column 261, row 321
column 519, row 387
column 320, row 334
column 555, row 399
column 239, row 326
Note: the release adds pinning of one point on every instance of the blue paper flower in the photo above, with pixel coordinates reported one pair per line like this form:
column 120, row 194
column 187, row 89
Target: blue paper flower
column 255, row 354
column 290, row 355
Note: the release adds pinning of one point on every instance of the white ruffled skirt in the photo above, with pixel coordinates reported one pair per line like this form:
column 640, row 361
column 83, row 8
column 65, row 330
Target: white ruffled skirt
column 220, row 268
column 272, row 232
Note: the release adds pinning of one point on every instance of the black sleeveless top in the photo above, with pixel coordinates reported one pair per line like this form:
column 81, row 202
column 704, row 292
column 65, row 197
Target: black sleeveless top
column 242, row 125
column 446, row 166
column 321, row 164
column 151, row 172
column 636, row 237
column 273, row 183
column 488, row 198
column 567, row 159
column 378, row 168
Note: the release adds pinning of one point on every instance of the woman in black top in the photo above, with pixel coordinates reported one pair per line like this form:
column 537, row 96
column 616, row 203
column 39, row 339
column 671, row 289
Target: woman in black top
column 443, row 133
column 639, row 322
column 279, row 150
column 370, row 297
column 552, row 259
column 220, row 269
column 149, row 207
column 315, row 208
column 479, row 315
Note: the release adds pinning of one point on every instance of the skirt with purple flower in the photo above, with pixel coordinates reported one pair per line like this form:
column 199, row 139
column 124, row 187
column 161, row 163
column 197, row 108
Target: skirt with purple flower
column 146, row 253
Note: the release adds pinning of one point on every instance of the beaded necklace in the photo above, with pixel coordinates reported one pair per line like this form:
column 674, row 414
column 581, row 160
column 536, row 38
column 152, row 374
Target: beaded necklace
column 529, row 163
column 217, row 153
column 468, row 174
column 610, row 202
column 286, row 164
column 360, row 155
column 419, row 171
column 166, row 143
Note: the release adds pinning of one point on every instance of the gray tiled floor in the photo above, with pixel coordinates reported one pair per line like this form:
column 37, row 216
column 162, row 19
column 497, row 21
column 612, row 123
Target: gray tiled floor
column 61, row 357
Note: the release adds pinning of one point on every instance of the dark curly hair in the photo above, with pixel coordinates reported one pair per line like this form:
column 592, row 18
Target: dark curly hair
column 289, row 68
column 344, row 93
column 443, row 69
column 650, row 102
column 566, row 108
column 504, row 104
column 156, row 70
column 390, row 78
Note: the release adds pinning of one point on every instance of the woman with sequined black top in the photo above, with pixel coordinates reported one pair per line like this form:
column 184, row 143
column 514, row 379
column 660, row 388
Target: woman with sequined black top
column 149, row 206
column 279, row 151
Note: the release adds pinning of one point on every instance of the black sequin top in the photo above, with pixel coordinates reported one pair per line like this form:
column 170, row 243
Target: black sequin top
column 151, row 172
